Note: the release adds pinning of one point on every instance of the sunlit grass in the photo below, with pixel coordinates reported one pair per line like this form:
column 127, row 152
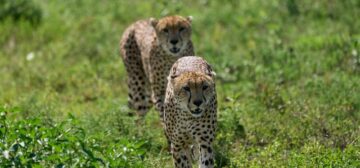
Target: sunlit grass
column 288, row 75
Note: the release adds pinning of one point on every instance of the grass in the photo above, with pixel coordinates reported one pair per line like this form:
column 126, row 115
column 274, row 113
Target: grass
column 288, row 83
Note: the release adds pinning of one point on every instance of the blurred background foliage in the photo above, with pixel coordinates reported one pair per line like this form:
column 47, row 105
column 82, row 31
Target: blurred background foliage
column 20, row 10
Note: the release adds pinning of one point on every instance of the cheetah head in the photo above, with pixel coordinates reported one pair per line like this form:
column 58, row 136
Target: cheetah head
column 173, row 33
column 193, row 91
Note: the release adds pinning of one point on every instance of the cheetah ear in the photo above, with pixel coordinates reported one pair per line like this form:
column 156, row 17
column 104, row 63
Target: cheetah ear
column 153, row 22
column 211, row 73
column 189, row 19
column 173, row 73
column 173, row 76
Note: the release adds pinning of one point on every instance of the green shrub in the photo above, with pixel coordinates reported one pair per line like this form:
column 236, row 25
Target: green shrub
column 20, row 10
column 34, row 142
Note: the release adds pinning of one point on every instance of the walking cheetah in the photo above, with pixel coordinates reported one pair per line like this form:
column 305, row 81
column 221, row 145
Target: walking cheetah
column 148, row 49
column 190, row 109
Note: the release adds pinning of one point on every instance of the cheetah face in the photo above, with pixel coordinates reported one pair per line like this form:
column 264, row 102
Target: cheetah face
column 173, row 33
column 193, row 91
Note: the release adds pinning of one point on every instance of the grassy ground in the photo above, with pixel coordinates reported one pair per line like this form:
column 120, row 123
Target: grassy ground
column 288, row 83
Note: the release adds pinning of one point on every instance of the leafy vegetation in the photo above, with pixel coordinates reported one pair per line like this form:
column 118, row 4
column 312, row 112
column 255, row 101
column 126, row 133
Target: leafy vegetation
column 38, row 143
column 288, row 83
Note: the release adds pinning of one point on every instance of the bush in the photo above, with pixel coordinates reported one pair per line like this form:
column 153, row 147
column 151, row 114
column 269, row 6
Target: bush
column 35, row 142
column 20, row 10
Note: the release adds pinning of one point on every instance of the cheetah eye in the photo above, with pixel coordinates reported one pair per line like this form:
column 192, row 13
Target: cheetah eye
column 165, row 30
column 186, row 88
column 182, row 29
column 205, row 87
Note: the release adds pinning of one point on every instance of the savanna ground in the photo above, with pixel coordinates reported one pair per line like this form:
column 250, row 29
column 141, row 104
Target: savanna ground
column 288, row 82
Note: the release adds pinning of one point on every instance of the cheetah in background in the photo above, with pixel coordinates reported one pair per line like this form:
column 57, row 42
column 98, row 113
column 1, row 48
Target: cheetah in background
column 190, row 109
column 148, row 49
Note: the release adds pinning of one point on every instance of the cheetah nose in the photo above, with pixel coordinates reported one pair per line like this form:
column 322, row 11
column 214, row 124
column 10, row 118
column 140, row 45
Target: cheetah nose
column 197, row 102
column 174, row 41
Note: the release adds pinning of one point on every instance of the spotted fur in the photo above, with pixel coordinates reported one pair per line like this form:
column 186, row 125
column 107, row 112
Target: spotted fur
column 148, row 49
column 190, row 111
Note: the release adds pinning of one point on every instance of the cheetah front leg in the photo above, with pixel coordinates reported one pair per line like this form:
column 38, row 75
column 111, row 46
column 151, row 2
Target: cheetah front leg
column 181, row 156
column 158, row 81
column 204, row 141
column 158, row 100
column 206, row 156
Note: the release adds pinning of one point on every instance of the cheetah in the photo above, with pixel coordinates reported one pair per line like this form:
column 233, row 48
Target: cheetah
column 148, row 49
column 190, row 109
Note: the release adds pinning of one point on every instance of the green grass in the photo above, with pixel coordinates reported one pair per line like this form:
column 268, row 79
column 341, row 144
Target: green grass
column 288, row 83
